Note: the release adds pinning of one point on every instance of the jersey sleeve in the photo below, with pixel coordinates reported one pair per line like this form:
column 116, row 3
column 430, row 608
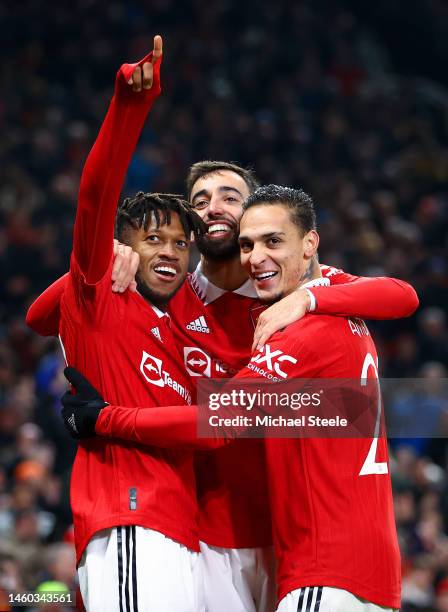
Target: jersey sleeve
column 44, row 313
column 104, row 172
column 166, row 427
column 172, row 426
column 364, row 297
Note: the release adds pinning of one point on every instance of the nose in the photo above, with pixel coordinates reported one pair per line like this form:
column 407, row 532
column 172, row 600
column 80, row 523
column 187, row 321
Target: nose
column 257, row 255
column 168, row 250
column 215, row 207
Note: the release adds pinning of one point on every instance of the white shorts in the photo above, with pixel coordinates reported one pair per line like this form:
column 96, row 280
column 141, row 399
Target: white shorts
column 239, row 579
column 326, row 599
column 133, row 569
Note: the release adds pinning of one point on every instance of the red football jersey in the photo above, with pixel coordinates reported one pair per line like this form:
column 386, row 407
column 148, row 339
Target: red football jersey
column 214, row 330
column 127, row 351
column 331, row 499
column 351, row 296
column 129, row 354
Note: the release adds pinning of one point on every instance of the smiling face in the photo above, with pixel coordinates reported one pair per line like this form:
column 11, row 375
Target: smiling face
column 164, row 255
column 217, row 198
column 275, row 252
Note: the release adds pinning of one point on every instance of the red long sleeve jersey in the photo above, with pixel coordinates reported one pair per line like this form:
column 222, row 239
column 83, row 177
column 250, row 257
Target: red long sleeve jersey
column 125, row 349
column 332, row 526
column 214, row 329
column 129, row 353
column 330, row 498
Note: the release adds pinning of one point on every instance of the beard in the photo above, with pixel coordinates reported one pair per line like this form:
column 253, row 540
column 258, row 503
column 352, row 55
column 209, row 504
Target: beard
column 272, row 299
column 156, row 298
column 219, row 250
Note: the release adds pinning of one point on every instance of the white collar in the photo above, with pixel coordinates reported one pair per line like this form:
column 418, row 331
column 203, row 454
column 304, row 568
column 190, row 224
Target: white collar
column 159, row 312
column 208, row 292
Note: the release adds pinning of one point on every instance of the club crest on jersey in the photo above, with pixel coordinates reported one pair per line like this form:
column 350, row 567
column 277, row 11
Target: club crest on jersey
column 199, row 325
column 199, row 363
column 152, row 369
column 269, row 363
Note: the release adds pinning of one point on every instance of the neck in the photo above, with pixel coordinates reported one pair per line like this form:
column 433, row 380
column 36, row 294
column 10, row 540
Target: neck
column 151, row 298
column 311, row 273
column 227, row 275
column 163, row 306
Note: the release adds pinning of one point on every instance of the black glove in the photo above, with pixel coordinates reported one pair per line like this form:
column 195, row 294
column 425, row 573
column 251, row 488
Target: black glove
column 81, row 410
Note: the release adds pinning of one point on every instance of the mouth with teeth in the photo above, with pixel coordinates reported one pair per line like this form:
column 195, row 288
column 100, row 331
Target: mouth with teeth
column 262, row 279
column 165, row 272
column 218, row 230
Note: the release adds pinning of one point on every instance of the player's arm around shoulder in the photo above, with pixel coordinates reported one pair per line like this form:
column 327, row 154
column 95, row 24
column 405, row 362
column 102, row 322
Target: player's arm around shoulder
column 351, row 295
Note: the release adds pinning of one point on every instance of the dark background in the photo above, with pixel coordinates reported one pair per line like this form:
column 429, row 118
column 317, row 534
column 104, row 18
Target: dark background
column 345, row 99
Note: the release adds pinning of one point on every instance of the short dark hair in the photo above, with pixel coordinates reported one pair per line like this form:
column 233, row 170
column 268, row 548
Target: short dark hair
column 202, row 168
column 137, row 213
column 299, row 203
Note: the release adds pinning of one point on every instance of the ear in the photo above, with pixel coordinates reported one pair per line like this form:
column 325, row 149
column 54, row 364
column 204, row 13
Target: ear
column 310, row 244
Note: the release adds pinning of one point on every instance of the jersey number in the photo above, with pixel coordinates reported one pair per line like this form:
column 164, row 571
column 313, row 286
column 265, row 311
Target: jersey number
column 370, row 465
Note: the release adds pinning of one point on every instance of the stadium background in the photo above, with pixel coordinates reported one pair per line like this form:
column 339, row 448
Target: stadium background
column 348, row 100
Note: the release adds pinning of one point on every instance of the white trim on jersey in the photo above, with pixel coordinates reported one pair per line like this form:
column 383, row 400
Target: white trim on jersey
column 208, row 292
column 63, row 349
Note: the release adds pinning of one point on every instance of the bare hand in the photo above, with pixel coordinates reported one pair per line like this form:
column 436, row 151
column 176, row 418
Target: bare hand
column 125, row 268
column 142, row 75
column 281, row 314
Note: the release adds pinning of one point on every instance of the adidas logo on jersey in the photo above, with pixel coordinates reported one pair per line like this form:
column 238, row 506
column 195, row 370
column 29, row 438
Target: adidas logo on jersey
column 156, row 332
column 199, row 325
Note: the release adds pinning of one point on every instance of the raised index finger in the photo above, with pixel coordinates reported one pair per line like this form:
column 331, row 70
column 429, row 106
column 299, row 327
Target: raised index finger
column 158, row 48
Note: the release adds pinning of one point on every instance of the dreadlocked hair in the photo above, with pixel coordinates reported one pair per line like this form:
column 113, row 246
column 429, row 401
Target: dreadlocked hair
column 139, row 211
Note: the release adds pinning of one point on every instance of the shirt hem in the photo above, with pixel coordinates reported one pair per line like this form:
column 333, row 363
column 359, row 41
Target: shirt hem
column 189, row 540
column 219, row 540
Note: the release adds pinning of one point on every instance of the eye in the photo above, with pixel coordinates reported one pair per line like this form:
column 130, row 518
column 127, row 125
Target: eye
column 182, row 244
column 231, row 199
column 152, row 238
column 245, row 247
column 274, row 241
column 200, row 205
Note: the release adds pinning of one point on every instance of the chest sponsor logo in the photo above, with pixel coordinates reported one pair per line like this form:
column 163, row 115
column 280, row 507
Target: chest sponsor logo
column 199, row 325
column 152, row 369
column 200, row 363
column 271, row 363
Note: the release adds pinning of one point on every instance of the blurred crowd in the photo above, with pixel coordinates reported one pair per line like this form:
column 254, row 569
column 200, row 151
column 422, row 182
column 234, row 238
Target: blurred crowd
column 308, row 93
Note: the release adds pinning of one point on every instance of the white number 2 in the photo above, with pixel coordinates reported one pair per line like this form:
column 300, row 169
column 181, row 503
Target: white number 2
column 370, row 465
